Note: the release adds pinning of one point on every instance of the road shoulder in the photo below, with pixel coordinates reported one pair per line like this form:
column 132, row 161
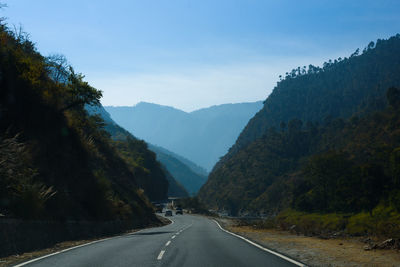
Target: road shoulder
column 314, row 251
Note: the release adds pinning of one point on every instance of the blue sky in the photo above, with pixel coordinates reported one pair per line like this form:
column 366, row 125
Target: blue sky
column 194, row 54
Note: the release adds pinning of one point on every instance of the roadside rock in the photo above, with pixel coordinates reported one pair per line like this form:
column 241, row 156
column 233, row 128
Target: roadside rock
column 390, row 243
column 293, row 229
column 387, row 244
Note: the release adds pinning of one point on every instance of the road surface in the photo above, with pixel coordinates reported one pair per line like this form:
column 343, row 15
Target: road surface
column 189, row 241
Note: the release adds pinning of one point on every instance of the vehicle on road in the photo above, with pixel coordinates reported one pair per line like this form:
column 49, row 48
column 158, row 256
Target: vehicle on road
column 168, row 213
column 179, row 211
column 159, row 208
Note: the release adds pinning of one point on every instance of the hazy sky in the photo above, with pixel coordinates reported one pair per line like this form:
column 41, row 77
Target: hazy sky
column 193, row 54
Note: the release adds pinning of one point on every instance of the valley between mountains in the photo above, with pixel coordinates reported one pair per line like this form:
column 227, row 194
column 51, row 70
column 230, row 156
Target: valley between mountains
column 318, row 157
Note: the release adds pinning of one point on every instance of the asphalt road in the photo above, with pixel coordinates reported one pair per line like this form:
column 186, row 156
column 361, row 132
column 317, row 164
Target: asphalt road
column 189, row 241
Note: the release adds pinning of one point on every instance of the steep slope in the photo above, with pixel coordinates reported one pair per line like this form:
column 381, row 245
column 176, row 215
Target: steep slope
column 175, row 189
column 339, row 89
column 202, row 136
column 154, row 185
column 56, row 161
column 193, row 166
column 268, row 169
column 189, row 179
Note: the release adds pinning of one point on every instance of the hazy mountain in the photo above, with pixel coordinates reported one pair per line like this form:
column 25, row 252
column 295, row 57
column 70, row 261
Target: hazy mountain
column 184, row 171
column 175, row 189
column 202, row 136
column 193, row 166
column 321, row 143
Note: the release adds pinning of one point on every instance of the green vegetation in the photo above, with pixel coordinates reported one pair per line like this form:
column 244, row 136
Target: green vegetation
column 312, row 223
column 336, row 154
column 133, row 150
column 56, row 161
column 341, row 88
column 381, row 221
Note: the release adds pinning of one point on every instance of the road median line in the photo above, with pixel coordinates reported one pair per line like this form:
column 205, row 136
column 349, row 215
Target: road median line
column 82, row 245
column 261, row 247
column 161, row 255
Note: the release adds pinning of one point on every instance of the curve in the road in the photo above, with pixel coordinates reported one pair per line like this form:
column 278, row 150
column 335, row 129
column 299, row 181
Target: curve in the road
column 193, row 241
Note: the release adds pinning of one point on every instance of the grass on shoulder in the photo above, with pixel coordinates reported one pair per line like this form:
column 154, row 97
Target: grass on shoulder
column 382, row 221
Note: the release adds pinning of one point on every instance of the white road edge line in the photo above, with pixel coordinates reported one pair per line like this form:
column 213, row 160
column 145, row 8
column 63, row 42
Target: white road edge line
column 86, row 244
column 173, row 236
column 64, row 250
column 167, row 244
column 261, row 247
column 161, row 255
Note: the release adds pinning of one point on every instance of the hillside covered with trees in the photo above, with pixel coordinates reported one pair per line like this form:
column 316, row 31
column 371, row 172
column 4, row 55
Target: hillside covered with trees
column 56, row 161
column 186, row 173
column 340, row 88
column 327, row 141
column 153, row 184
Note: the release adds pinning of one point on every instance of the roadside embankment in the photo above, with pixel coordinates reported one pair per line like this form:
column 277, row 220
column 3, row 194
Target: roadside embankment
column 315, row 251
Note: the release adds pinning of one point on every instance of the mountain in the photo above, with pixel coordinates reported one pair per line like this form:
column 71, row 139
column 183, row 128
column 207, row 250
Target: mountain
column 152, row 184
column 201, row 136
column 193, row 166
column 321, row 143
column 56, row 161
column 341, row 88
column 175, row 189
column 183, row 172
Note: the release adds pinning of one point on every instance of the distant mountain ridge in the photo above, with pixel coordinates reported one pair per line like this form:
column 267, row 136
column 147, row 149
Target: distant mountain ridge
column 202, row 136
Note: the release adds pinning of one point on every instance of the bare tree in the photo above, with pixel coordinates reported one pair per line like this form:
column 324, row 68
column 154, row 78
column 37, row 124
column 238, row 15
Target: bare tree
column 58, row 66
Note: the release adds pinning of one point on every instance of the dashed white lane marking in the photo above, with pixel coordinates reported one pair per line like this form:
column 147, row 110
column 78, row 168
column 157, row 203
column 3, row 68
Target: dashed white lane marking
column 261, row 247
column 161, row 255
column 167, row 244
column 173, row 236
column 79, row 246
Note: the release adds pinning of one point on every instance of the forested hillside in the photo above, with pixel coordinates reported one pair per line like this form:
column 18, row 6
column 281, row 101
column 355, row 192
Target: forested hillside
column 340, row 88
column 327, row 140
column 184, row 174
column 202, row 136
column 193, row 166
column 56, row 161
column 131, row 148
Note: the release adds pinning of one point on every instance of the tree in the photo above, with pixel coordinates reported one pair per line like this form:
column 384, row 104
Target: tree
column 295, row 125
column 393, row 97
column 79, row 92
column 58, row 66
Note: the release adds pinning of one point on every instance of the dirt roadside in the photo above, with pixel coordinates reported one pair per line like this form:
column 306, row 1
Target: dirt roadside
column 16, row 259
column 314, row 251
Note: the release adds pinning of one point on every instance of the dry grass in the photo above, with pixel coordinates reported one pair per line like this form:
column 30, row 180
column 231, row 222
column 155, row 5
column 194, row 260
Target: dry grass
column 314, row 251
